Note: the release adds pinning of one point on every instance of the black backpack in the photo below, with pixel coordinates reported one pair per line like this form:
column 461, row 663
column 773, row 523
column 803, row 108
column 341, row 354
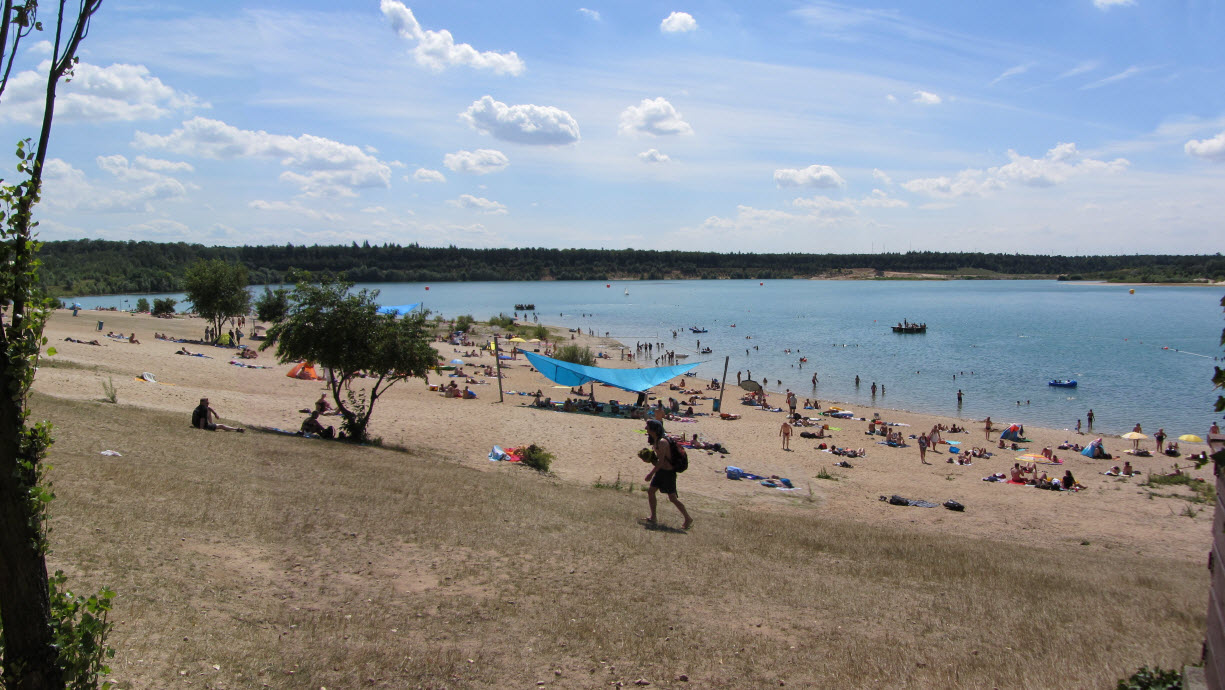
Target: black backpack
column 680, row 457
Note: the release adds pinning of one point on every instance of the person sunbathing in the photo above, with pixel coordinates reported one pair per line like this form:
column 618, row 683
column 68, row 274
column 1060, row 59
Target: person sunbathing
column 1127, row 471
column 132, row 339
column 312, row 425
column 1016, row 474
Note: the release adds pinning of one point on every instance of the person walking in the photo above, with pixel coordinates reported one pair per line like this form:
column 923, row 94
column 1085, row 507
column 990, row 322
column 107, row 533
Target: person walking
column 662, row 477
column 1090, row 418
column 959, row 397
column 923, row 449
column 987, row 422
column 1160, row 437
column 785, row 432
column 791, row 402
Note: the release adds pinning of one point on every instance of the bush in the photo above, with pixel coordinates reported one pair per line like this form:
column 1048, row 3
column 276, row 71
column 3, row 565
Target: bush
column 464, row 323
column 537, row 458
column 142, row 305
column 163, row 306
column 501, row 321
column 540, row 332
column 575, row 355
column 1152, row 679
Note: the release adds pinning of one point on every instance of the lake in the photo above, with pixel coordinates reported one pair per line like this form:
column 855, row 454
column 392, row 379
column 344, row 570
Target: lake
column 1146, row 357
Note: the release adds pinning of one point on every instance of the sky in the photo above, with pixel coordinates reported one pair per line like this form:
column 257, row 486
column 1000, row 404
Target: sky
column 1044, row 127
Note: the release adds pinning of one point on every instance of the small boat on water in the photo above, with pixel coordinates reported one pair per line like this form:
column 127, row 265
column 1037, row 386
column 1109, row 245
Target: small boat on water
column 706, row 351
column 695, row 329
column 908, row 327
column 1062, row 383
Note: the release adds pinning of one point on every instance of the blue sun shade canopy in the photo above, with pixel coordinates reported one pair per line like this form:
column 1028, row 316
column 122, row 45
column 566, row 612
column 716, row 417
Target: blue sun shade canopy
column 400, row 309
column 633, row 380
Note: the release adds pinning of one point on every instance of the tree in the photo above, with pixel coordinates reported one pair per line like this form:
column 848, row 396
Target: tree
column 49, row 638
column 334, row 327
column 164, row 306
column 218, row 290
column 142, row 305
column 273, row 305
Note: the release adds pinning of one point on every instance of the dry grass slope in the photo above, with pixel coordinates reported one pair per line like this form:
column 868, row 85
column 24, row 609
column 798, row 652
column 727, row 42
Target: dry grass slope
column 249, row 560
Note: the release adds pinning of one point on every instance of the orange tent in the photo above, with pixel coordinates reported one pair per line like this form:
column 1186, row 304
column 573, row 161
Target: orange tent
column 304, row 370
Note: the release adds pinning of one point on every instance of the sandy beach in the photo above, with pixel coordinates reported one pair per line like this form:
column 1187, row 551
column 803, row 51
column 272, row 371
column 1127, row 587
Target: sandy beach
column 1111, row 513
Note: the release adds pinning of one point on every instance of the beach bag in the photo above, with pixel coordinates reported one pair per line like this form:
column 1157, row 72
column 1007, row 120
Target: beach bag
column 954, row 505
column 680, row 457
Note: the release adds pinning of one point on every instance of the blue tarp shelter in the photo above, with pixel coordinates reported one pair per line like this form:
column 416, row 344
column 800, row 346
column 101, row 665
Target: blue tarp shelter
column 1094, row 450
column 1012, row 433
column 633, row 380
column 400, row 309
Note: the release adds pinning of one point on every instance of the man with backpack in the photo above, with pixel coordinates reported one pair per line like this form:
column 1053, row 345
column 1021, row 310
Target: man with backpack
column 669, row 460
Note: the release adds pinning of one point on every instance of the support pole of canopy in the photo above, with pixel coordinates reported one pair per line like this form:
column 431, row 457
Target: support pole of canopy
column 498, row 361
column 723, row 381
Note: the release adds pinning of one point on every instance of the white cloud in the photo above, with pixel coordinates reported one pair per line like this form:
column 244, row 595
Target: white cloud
column 593, row 15
column 40, row 48
column 438, row 50
column 68, row 187
column 825, row 207
column 162, row 165
column 427, row 175
column 1125, row 74
column 522, row 124
column 654, row 116
column 295, row 208
column 1058, row 165
column 891, row 98
column 1107, row 4
column 118, row 92
column 881, row 176
column 653, row 156
column 476, row 203
column 819, row 176
column 1082, row 68
column 1011, row 72
column 478, row 162
column 678, row 22
column 926, row 98
column 1210, row 149
column 328, row 168
column 880, row 199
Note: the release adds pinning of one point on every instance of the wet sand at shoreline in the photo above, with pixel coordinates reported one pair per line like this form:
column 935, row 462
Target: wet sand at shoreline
column 1112, row 513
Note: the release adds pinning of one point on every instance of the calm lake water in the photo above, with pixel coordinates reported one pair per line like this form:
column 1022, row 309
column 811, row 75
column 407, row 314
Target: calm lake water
column 1144, row 358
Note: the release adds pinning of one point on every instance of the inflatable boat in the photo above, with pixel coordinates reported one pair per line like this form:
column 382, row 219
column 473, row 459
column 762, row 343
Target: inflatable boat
column 1063, row 383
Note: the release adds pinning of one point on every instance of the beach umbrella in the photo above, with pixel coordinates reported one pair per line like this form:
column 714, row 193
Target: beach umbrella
column 750, row 385
column 534, row 340
column 1190, row 438
column 1134, row 437
column 457, row 361
column 517, row 339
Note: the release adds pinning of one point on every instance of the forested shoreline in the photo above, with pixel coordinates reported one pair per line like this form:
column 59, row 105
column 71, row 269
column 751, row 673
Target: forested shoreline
column 85, row 267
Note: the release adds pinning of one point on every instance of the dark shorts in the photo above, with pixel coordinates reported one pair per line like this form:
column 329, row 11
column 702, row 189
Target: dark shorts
column 207, row 426
column 664, row 481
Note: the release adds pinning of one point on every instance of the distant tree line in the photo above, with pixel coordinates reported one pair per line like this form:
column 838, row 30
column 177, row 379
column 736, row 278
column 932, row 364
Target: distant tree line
column 83, row 267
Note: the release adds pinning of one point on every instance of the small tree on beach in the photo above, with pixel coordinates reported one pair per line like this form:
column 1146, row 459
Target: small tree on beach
column 273, row 305
column 334, row 327
column 142, row 305
column 218, row 290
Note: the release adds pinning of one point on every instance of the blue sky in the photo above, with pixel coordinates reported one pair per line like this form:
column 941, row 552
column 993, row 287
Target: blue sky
column 1075, row 127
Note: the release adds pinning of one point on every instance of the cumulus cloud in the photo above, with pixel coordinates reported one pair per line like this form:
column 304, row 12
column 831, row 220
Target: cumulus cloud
column 590, row 14
column 40, row 48
column 478, row 162
column 880, row 199
column 881, row 176
column 678, row 22
column 427, row 175
column 318, row 166
column 819, row 176
column 522, row 124
column 95, row 94
column 476, row 203
column 438, row 50
column 653, row 156
column 926, row 98
column 1107, row 4
column 1058, row 165
column 825, row 207
column 1209, row 149
column 654, row 116
column 139, row 186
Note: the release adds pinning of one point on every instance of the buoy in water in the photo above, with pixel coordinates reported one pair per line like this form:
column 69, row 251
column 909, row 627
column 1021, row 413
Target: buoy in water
column 1131, row 291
